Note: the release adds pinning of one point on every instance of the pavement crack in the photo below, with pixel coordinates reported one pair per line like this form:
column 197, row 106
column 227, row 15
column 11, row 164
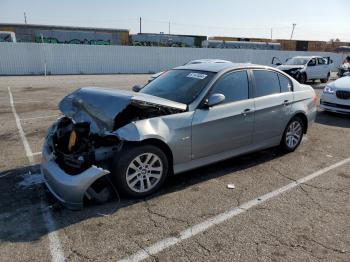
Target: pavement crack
column 152, row 212
column 279, row 172
column 208, row 251
column 336, row 190
column 311, row 198
column 341, row 251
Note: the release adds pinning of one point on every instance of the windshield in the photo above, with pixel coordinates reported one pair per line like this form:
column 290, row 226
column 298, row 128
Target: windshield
column 297, row 61
column 181, row 86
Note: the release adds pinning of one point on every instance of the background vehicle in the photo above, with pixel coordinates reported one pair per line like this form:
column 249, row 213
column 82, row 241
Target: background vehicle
column 191, row 116
column 305, row 68
column 7, row 36
column 336, row 96
column 344, row 69
column 193, row 62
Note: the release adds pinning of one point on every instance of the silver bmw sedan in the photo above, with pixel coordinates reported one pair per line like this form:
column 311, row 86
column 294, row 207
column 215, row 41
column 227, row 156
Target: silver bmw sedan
column 194, row 115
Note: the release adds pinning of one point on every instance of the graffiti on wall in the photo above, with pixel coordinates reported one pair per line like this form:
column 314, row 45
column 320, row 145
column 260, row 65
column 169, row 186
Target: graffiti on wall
column 53, row 40
column 73, row 37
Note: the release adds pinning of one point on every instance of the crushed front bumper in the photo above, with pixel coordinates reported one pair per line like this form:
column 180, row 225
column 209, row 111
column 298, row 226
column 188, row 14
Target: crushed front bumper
column 68, row 189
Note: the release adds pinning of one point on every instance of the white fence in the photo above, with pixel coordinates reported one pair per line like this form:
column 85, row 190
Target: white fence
column 33, row 58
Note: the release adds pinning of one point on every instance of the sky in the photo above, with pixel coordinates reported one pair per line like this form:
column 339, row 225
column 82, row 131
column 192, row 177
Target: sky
column 314, row 19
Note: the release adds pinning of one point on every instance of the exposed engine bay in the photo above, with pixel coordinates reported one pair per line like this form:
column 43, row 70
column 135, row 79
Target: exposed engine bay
column 76, row 146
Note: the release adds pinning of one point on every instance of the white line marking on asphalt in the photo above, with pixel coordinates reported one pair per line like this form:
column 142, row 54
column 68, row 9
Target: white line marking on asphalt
column 38, row 117
column 55, row 244
column 29, row 152
column 36, row 154
column 54, row 241
column 201, row 227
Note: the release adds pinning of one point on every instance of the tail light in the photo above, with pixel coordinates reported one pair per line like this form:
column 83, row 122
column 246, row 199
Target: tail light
column 314, row 99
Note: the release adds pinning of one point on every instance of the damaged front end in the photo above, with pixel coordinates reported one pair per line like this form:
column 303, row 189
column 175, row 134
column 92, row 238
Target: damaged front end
column 80, row 147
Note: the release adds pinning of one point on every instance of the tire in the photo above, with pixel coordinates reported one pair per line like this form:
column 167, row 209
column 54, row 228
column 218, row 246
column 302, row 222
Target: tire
column 140, row 170
column 325, row 80
column 293, row 135
column 302, row 78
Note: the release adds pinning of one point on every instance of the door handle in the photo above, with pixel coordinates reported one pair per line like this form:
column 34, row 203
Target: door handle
column 246, row 111
column 286, row 102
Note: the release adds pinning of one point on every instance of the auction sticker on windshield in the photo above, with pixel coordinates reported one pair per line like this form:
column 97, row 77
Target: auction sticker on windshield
column 197, row 75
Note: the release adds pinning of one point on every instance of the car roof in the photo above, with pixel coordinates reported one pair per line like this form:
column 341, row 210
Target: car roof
column 308, row 57
column 209, row 61
column 217, row 67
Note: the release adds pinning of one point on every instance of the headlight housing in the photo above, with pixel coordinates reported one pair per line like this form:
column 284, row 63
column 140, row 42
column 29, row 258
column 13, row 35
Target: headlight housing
column 329, row 90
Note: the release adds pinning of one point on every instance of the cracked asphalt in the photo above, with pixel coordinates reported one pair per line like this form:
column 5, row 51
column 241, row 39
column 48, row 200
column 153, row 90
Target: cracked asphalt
column 307, row 223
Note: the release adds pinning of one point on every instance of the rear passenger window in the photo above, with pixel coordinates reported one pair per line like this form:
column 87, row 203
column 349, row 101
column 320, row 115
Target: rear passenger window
column 285, row 83
column 266, row 83
column 321, row 61
column 234, row 86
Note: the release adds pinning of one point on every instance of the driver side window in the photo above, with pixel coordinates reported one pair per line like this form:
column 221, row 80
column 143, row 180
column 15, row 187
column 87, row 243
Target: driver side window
column 234, row 86
column 312, row 62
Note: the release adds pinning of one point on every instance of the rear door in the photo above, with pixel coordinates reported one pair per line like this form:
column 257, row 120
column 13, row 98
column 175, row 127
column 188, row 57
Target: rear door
column 228, row 125
column 273, row 100
column 323, row 67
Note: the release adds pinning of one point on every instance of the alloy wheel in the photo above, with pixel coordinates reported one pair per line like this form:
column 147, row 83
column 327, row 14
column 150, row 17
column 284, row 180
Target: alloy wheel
column 294, row 134
column 144, row 172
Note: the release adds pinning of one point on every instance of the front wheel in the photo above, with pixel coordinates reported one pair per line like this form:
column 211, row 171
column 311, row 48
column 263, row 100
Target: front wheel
column 302, row 78
column 140, row 170
column 292, row 135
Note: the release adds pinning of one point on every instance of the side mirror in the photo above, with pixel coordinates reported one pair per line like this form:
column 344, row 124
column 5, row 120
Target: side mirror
column 215, row 99
column 278, row 64
column 136, row 88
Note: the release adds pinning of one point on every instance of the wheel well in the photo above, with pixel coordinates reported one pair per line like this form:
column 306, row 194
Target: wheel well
column 163, row 146
column 304, row 119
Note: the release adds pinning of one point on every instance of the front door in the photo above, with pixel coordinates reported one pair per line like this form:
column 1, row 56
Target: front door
column 228, row 125
column 312, row 69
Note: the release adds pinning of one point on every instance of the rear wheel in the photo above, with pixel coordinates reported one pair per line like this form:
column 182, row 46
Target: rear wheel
column 140, row 170
column 325, row 80
column 292, row 135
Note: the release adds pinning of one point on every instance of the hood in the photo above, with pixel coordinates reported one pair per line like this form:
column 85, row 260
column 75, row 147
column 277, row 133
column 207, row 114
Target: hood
column 100, row 106
column 289, row 67
column 342, row 83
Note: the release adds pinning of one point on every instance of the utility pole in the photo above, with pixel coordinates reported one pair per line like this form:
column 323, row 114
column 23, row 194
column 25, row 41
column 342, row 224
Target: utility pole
column 43, row 47
column 169, row 27
column 271, row 33
column 140, row 25
column 25, row 18
column 291, row 36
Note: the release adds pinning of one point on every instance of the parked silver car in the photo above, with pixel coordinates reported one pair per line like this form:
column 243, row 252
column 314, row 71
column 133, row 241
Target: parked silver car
column 191, row 116
column 336, row 96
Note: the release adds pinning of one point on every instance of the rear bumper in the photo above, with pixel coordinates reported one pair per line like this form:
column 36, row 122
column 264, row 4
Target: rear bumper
column 68, row 189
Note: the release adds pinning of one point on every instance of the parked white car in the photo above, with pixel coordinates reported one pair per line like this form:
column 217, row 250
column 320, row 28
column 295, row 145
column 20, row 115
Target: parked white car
column 336, row 96
column 306, row 68
column 193, row 62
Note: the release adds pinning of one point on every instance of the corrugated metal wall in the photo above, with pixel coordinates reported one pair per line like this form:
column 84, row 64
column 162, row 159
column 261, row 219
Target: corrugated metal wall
column 30, row 58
